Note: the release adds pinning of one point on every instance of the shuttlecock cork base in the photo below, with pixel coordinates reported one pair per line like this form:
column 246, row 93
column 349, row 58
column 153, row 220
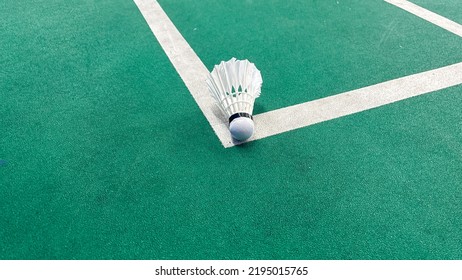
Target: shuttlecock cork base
column 234, row 85
column 241, row 126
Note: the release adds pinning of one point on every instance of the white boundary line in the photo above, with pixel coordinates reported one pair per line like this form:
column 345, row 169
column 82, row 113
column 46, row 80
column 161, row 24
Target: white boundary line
column 336, row 106
column 429, row 16
column 193, row 72
column 188, row 65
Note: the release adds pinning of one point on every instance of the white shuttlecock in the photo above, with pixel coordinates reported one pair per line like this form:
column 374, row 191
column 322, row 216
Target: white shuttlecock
column 234, row 85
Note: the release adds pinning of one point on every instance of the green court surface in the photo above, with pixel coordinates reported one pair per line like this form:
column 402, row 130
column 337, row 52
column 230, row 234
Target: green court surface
column 312, row 49
column 104, row 153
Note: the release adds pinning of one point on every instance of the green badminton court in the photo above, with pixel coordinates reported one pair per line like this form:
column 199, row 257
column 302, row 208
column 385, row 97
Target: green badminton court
column 105, row 152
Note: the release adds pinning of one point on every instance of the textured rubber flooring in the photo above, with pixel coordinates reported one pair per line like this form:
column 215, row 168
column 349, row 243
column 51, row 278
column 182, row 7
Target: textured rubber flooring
column 105, row 155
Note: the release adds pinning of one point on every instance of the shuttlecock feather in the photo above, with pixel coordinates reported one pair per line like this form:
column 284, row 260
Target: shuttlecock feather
column 234, row 85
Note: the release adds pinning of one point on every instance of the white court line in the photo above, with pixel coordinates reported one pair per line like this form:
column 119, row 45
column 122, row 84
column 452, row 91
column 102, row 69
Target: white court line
column 193, row 72
column 336, row 106
column 188, row 65
column 429, row 16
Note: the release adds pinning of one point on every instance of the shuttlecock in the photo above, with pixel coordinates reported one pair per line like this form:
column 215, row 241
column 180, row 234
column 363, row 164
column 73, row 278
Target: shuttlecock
column 234, row 85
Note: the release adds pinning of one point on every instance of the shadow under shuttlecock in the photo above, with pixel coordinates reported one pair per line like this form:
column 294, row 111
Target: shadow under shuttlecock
column 219, row 114
column 241, row 144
